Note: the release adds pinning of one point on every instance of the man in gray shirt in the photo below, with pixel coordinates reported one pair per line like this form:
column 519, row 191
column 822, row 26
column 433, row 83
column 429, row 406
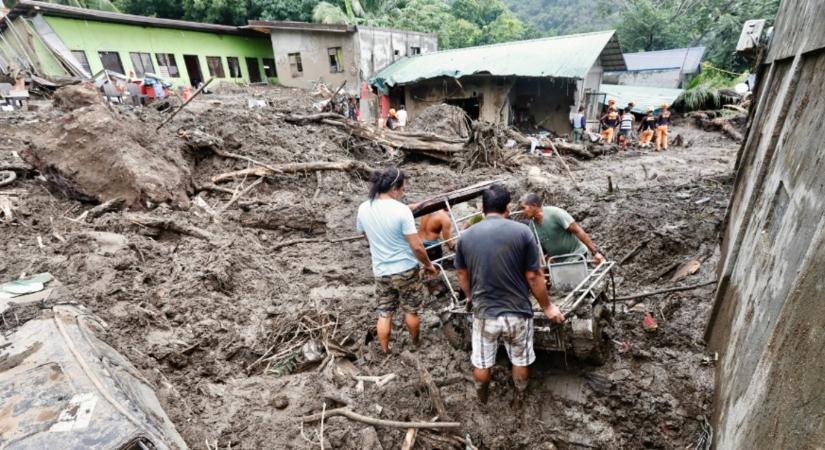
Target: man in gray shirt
column 498, row 266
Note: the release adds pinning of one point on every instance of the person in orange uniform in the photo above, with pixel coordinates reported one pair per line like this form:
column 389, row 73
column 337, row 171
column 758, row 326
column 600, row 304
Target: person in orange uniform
column 647, row 126
column 662, row 123
column 609, row 123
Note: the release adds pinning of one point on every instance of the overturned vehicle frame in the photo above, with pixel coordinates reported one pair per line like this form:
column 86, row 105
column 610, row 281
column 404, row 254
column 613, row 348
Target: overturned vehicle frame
column 577, row 286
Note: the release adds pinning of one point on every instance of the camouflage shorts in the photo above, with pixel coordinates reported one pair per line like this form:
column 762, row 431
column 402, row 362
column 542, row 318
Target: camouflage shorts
column 403, row 289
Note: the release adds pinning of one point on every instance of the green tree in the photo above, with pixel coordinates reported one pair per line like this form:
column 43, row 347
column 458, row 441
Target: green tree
column 168, row 9
column 468, row 10
column 505, row 28
column 459, row 34
column 299, row 10
column 330, row 14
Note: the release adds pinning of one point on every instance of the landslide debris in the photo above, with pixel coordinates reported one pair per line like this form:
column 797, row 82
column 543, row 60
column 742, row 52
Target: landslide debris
column 94, row 154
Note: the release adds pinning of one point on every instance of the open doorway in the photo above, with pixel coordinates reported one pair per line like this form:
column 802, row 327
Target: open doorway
column 193, row 66
column 470, row 105
column 254, row 70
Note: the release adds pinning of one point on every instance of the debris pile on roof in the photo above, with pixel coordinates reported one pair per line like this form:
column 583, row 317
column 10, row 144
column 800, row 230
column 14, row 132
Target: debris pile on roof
column 94, row 155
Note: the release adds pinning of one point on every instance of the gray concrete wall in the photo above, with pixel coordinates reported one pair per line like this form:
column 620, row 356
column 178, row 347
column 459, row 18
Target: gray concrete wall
column 547, row 100
column 768, row 321
column 668, row 78
column 313, row 47
column 381, row 47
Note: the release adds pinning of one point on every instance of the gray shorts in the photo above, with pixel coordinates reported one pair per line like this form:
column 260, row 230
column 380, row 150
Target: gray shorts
column 515, row 331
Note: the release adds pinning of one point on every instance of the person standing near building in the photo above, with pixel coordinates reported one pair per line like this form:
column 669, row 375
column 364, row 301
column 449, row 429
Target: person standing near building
column 401, row 115
column 498, row 265
column 662, row 124
column 579, row 123
column 647, row 126
column 609, row 123
column 626, row 128
column 396, row 251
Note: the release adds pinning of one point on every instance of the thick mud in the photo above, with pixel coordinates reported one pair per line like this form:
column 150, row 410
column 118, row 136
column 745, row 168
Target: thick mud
column 223, row 325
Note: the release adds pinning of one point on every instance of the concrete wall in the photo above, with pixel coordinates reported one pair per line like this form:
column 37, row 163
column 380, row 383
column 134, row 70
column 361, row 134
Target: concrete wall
column 667, row 78
column 366, row 51
column 313, row 47
column 380, row 47
column 502, row 99
column 768, row 321
column 92, row 37
column 492, row 93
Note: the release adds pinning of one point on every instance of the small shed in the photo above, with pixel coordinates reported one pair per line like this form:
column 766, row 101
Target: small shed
column 530, row 84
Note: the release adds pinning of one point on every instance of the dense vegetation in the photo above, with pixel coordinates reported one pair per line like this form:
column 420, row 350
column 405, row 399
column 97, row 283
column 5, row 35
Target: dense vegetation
column 641, row 24
column 653, row 24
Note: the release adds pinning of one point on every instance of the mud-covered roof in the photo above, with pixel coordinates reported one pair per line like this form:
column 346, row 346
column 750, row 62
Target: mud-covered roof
column 570, row 56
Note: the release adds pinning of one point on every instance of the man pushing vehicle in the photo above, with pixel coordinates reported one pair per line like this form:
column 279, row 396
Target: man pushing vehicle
column 498, row 265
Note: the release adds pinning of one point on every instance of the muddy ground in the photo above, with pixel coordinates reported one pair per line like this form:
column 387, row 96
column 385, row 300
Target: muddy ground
column 217, row 324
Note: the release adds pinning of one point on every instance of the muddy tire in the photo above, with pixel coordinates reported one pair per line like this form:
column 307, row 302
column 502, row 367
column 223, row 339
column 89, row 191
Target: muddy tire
column 458, row 333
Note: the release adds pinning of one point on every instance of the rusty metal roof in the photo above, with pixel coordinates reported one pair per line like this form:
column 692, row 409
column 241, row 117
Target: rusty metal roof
column 570, row 56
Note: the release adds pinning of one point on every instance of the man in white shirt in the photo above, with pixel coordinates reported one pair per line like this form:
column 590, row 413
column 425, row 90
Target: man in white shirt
column 396, row 251
column 401, row 115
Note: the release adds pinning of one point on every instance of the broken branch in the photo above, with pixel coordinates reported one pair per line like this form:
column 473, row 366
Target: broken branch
column 268, row 170
column 427, row 380
column 348, row 413
column 665, row 291
column 171, row 225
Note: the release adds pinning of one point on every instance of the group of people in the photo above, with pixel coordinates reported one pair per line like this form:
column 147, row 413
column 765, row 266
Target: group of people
column 497, row 262
column 618, row 125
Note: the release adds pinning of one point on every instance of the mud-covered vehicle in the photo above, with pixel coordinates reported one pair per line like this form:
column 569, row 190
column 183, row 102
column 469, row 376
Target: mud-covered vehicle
column 575, row 284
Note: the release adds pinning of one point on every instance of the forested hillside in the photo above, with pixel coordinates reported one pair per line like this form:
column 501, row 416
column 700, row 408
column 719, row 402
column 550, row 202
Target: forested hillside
column 558, row 17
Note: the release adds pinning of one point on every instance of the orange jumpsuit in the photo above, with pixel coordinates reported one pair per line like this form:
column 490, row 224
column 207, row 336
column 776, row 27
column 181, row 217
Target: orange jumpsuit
column 646, row 127
column 662, row 123
column 610, row 121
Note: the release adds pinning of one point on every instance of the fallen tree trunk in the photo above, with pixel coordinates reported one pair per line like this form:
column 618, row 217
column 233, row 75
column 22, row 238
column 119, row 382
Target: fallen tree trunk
column 574, row 149
column 427, row 380
column 171, row 225
column 426, row 143
column 269, row 170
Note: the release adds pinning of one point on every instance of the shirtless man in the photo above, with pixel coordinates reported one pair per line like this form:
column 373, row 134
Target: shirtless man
column 432, row 226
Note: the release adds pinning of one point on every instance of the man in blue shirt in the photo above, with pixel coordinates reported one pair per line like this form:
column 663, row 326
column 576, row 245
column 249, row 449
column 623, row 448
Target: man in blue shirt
column 497, row 262
column 396, row 251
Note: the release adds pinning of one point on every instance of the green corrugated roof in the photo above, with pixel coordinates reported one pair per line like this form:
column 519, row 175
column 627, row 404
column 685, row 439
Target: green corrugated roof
column 641, row 96
column 569, row 56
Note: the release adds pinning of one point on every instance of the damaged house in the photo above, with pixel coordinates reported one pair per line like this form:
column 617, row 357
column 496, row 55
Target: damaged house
column 528, row 84
column 54, row 41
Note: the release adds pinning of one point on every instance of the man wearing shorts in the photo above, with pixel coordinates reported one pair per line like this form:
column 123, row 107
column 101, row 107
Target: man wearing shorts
column 396, row 251
column 498, row 266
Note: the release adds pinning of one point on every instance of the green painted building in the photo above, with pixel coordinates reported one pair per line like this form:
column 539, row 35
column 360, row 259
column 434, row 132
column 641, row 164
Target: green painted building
column 52, row 41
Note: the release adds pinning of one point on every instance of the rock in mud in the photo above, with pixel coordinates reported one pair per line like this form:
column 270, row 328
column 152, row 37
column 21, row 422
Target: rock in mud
column 94, row 156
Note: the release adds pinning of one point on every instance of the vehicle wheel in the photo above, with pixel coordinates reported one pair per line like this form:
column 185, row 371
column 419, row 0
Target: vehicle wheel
column 457, row 332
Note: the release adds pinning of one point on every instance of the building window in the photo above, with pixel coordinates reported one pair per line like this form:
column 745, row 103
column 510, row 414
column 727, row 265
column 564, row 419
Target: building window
column 234, row 67
column 415, row 51
column 111, row 61
column 295, row 65
column 80, row 56
column 142, row 63
column 167, row 65
column 269, row 68
column 336, row 59
column 215, row 67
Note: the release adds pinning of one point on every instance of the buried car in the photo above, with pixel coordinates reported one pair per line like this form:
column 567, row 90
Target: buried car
column 62, row 387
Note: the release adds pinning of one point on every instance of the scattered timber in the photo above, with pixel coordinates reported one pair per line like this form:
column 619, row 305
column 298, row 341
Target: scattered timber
column 427, row 380
column 665, row 291
column 269, row 170
column 348, row 413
